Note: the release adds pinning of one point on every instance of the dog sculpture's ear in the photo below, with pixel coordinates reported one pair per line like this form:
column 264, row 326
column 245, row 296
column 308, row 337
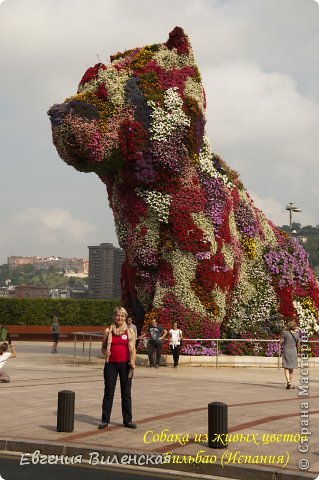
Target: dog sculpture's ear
column 179, row 40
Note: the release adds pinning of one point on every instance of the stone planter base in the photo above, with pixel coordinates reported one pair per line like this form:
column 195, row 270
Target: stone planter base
column 223, row 361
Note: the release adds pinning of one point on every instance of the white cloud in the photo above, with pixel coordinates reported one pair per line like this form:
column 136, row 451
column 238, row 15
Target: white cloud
column 54, row 221
column 276, row 212
column 262, row 125
column 247, row 106
column 260, row 71
column 37, row 231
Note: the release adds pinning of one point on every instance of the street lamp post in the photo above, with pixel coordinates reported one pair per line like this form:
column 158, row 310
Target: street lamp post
column 291, row 207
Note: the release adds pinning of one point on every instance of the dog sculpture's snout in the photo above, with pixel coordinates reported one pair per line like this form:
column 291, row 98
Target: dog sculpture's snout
column 57, row 113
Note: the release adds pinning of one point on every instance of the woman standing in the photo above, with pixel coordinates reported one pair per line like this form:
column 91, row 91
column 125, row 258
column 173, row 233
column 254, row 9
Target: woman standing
column 290, row 340
column 119, row 349
column 175, row 338
column 55, row 331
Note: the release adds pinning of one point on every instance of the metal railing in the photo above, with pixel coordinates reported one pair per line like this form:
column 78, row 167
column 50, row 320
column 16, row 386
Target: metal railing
column 84, row 334
column 217, row 342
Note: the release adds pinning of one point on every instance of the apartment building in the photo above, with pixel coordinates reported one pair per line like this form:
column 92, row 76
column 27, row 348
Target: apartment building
column 32, row 291
column 105, row 262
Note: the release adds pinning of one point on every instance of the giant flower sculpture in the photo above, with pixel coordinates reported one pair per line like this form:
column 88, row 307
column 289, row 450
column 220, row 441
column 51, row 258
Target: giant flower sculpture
column 197, row 249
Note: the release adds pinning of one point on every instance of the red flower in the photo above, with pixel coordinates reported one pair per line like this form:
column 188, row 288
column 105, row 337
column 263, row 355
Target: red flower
column 165, row 274
column 92, row 72
column 314, row 290
column 212, row 272
column 132, row 139
column 286, row 307
column 128, row 275
column 143, row 231
column 101, row 92
column 235, row 198
column 177, row 39
column 190, row 238
column 188, row 199
column 133, row 207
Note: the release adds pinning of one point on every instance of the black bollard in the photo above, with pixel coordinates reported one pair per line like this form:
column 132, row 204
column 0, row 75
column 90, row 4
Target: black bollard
column 217, row 425
column 65, row 420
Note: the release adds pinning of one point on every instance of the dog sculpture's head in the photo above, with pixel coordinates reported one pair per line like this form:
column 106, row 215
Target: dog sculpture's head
column 110, row 124
column 196, row 248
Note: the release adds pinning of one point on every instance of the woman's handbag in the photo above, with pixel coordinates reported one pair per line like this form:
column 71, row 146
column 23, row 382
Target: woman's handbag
column 130, row 373
column 296, row 341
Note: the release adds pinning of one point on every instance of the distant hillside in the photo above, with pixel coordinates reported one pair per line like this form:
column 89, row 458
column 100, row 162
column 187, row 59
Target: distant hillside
column 30, row 274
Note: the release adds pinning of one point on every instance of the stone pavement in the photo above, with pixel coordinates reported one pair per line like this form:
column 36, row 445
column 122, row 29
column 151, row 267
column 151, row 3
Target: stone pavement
column 170, row 409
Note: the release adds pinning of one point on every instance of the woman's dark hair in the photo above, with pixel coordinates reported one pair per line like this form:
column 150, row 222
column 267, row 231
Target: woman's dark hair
column 3, row 348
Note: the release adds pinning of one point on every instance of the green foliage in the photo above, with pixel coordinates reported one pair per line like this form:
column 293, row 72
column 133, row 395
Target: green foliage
column 39, row 311
column 30, row 274
column 312, row 247
column 4, row 273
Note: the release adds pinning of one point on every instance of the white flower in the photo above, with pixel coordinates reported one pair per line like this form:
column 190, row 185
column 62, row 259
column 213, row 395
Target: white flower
column 115, row 83
column 202, row 222
column 270, row 237
column 170, row 59
column 157, row 201
column 184, row 270
column 153, row 229
column 195, row 91
column 167, row 120
column 220, row 299
column 90, row 86
column 206, row 163
column 307, row 320
column 254, row 296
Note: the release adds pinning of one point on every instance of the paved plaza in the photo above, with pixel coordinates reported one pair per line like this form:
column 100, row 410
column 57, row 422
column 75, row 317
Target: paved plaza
column 170, row 410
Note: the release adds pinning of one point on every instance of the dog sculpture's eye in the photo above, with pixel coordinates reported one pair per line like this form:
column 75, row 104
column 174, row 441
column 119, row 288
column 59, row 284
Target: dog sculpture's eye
column 83, row 110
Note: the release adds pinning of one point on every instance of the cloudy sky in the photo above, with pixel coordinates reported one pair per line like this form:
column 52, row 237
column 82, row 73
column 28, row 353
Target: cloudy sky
column 259, row 63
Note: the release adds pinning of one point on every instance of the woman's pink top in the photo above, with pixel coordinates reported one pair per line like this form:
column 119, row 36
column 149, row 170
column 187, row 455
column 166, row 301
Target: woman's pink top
column 119, row 349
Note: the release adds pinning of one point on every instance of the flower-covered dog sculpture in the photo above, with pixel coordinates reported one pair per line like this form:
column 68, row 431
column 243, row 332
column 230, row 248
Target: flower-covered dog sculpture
column 197, row 249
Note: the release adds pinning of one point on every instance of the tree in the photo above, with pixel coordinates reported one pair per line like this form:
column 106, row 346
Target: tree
column 4, row 274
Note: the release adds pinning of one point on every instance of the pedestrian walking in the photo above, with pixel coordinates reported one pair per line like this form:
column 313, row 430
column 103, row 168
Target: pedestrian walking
column 290, row 340
column 55, row 331
column 175, row 340
column 155, row 345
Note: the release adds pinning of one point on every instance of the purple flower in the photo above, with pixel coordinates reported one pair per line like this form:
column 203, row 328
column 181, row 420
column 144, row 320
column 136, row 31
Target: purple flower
column 245, row 219
column 203, row 256
column 170, row 154
column 289, row 262
column 144, row 170
column 217, row 198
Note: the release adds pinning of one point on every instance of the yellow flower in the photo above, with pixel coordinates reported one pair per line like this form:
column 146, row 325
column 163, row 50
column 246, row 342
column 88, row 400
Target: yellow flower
column 249, row 246
column 151, row 315
column 307, row 304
